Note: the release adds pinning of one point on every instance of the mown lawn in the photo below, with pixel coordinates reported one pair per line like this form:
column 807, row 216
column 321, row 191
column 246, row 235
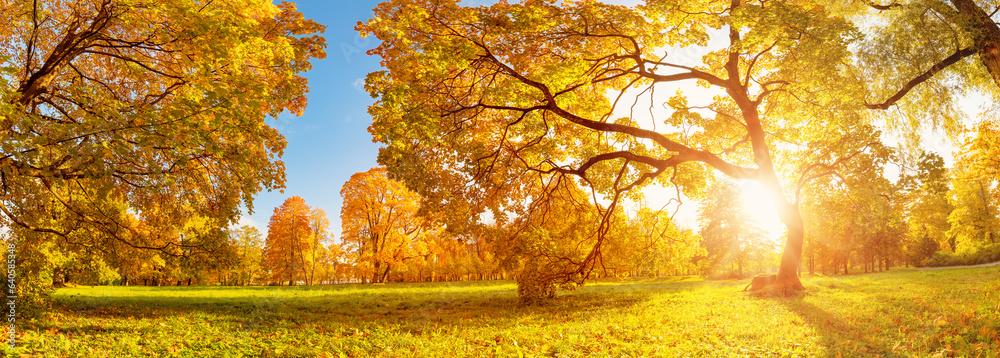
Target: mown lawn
column 899, row 313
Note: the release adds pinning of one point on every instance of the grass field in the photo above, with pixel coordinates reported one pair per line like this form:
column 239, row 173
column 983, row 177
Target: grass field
column 898, row 313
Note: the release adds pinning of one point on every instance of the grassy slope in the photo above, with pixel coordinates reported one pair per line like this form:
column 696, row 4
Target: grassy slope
column 900, row 313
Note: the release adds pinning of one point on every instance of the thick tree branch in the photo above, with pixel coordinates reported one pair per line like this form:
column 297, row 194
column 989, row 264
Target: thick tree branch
column 71, row 45
column 881, row 7
column 947, row 61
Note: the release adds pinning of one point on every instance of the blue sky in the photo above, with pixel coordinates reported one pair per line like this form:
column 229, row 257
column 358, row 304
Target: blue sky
column 330, row 142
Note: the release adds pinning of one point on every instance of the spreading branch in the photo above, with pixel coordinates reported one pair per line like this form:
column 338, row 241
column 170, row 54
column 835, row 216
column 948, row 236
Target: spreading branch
column 947, row 61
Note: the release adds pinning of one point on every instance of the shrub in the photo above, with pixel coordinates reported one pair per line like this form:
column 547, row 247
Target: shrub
column 532, row 286
column 981, row 255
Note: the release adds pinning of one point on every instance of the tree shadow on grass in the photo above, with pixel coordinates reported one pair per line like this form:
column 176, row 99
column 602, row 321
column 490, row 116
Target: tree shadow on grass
column 838, row 336
column 405, row 307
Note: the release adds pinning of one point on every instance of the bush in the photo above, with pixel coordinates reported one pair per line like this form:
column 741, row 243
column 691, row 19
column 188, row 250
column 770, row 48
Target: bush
column 532, row 287
column 981, row 255
column 32, row 276
column 34, row 297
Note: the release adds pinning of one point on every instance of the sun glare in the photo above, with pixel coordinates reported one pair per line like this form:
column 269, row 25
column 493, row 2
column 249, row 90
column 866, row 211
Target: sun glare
column 759, row 204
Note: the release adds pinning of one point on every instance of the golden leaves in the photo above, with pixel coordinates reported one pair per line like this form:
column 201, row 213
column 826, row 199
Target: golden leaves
column 149, row 110
column 381, row 227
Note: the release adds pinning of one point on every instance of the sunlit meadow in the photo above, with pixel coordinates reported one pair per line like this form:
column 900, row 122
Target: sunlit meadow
column 898, row 313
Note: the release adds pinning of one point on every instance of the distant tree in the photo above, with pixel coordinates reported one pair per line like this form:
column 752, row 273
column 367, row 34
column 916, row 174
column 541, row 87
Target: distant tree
column 830, row 240
column 249, row 245
column 330, row 264
column 980, row 152
column 854, row 213
column 381, row 227
column 289, row 240
column 974, row 221
column 215, row 266
column 878, row 225
column 319, row 224
column 731, row 238
column 976, row 185
column 927, row 206
column 649, row 244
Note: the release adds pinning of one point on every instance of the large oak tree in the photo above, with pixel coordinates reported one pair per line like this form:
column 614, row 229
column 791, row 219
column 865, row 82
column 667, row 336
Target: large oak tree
column 475, row 104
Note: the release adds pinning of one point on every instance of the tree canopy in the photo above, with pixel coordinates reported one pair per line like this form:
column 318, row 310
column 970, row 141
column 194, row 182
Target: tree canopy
column 120, row 116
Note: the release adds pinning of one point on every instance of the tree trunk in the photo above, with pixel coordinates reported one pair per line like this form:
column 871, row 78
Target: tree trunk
column 792, row 253
column 984, row 32
column 385, row 274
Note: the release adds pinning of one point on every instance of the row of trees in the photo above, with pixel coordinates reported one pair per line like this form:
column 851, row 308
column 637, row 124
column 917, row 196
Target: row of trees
column 389, row 235
column 859, row 220
column 385, row 237
column 874, row 223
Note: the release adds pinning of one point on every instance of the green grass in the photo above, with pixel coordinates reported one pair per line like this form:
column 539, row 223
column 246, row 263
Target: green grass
column 898, row 313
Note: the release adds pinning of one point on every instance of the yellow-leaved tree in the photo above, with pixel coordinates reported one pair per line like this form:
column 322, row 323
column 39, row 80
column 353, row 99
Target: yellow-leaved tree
column 117, row 115
column 476, row 105
column 380, row 224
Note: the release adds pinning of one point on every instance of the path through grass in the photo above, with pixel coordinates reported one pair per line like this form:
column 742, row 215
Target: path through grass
column 899, row 313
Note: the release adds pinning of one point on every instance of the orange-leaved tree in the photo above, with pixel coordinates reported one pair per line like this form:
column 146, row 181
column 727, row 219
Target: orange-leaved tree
column 291, row 246
column 381, row 227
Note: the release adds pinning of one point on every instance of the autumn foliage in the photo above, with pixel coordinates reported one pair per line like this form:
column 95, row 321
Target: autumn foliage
column 296, row 239
column 120, row 121
column 381, row 227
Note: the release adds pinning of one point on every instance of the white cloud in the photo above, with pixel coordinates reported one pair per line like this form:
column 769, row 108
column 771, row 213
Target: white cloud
column 359, row 84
